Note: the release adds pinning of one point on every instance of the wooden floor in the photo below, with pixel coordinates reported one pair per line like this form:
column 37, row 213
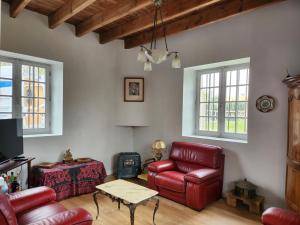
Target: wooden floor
column 169, row 213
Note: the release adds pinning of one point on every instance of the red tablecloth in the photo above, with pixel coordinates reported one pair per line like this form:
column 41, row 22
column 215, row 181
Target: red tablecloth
column 70, row 179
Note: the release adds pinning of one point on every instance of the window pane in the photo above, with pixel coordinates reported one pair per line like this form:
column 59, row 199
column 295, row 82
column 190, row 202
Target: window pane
column 6, row 70
column 27, row 72
column 27, row 121
column 229, row 125
column 203, row 109
column 5, row 104
column 242, row 109
column 27, row 89
column 216, row 95
column 213, row 124
column 213, row 109
column 204, row 80
column 27, row 105
column 204, row 95
column 39, row 105
column 243, row 95
column 241, row 126
column 230, row 94
column 39, row 90
column 42, row 75
column 203, row 123
column 211, row 94
column 230, row 109
column 4, row 116
column 6, row 87
column 217, row 79
column 243, row 77
column 39, row 121
column 231, row 78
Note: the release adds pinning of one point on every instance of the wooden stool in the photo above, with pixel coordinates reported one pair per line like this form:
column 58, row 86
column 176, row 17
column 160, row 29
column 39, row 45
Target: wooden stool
column 256, row 205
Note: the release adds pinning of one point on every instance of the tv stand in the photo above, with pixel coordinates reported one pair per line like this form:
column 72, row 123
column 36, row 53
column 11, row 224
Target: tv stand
column 11, row 164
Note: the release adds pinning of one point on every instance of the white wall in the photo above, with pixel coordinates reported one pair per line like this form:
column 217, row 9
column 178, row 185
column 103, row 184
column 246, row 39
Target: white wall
column 89, row 88
column 270, row 36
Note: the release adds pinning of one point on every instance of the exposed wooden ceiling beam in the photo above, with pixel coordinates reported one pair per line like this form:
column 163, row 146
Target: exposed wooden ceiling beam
column 170, row 11
column 210, row 14
column 17, row 6
column 122, row 9
column 68, row 10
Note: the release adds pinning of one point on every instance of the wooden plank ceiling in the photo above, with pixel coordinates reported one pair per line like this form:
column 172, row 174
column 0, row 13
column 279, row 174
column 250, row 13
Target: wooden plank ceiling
column 132, row 20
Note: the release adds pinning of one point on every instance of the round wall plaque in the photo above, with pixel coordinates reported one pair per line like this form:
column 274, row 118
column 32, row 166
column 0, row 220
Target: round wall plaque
column 265, row 103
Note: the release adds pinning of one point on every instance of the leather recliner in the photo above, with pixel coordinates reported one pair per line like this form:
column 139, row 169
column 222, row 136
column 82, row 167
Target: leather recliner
column 192, row 176
column 277, row 216
column 38, row 206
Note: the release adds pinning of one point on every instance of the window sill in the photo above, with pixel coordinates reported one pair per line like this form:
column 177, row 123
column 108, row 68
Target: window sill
column 40, row 135
column 218, row 139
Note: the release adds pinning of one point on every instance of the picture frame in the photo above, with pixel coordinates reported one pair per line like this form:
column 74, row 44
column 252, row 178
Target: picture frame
column 134, row 89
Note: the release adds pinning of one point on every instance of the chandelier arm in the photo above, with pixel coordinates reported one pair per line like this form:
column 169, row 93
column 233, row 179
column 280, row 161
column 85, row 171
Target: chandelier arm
column 173, row 53
column 164, row 29
column 145, row 48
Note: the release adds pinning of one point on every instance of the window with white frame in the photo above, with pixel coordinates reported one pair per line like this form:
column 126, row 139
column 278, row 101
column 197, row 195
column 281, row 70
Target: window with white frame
column 222, row 102
column 25, row 92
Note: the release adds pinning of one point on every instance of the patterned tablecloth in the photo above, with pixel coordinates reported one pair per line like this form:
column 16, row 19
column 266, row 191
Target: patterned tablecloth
column 70, row 179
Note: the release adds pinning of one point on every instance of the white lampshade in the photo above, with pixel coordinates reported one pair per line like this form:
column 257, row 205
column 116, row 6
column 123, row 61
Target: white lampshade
column 157, row 56
column 176, row 62
column 141, row 56
column 148, row 66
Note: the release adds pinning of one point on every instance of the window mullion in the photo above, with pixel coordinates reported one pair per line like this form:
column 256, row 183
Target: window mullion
column 222, row 97
column 17, row 103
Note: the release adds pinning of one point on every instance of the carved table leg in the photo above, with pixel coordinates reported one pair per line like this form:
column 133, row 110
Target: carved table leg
column 132, row 208
column 96, row 202
column 119, row 201
column 155, row 209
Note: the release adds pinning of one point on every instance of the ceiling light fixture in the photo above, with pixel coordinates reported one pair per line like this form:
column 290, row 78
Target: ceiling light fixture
column 154, row 54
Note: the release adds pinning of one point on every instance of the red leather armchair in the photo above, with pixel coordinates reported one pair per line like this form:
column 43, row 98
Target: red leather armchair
column 38, row 206
column 277, row 216
column 192, row 176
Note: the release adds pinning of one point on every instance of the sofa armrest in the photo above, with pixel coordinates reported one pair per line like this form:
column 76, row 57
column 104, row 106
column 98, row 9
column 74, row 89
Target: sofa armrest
column 72, row 216
column 277, row 216
column 201, row 175
column 31, row 198
column 161, row 166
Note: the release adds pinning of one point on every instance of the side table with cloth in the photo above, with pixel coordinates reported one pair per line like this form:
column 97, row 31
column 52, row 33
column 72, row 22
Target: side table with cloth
column 71, row 179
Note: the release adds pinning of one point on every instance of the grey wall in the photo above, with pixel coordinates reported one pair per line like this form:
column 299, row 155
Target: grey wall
column 270, row 36
column 89, row 88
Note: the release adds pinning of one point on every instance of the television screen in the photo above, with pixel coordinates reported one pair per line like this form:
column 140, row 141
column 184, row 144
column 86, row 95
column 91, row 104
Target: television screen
column 11, row 139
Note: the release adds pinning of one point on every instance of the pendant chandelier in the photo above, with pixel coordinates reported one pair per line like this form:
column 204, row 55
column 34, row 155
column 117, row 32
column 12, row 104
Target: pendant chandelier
column 154, row 54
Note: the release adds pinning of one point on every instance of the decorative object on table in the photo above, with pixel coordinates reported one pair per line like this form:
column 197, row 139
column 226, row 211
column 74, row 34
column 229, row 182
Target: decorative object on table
column 154, row 54
column 255, row 205
column 46, row 165
column 293, row 156
column 129, row 194
column 128, row 165
column 133, row 89
column 158, row 147
column 83, row 160
column 245, row 189
column 68, row 157
column 71, row 179
column 3, row 185
column 265, row 103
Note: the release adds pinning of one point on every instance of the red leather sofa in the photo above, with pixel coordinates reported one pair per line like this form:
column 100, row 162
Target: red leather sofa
column 38, row 206
column 277, row 216
column 192, row 176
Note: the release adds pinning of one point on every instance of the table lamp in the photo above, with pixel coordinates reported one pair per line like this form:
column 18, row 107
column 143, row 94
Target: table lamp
column 158, row 147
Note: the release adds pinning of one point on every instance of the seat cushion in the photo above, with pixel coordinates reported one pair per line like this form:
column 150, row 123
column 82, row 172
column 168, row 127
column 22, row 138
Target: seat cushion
column 40, row 213
column 171, row 180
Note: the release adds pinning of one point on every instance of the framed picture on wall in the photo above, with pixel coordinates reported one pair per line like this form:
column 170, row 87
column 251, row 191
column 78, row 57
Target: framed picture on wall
column 133, row 89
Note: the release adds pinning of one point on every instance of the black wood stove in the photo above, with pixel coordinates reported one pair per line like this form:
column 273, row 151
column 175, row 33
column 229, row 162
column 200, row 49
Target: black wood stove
column 128, row 165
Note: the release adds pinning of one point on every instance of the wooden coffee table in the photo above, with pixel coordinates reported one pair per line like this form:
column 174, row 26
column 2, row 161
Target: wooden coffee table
column 129, row 194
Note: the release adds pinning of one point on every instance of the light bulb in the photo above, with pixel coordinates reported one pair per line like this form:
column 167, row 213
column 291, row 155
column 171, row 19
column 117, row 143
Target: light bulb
column 148, row 66
column 141, row 56
column 176, row 63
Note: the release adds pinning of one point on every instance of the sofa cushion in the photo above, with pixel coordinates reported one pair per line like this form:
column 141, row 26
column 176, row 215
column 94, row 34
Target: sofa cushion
column 40, row 213
column 277, row 216
column 171, row 180
column 201, row 154
column 7, row 213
